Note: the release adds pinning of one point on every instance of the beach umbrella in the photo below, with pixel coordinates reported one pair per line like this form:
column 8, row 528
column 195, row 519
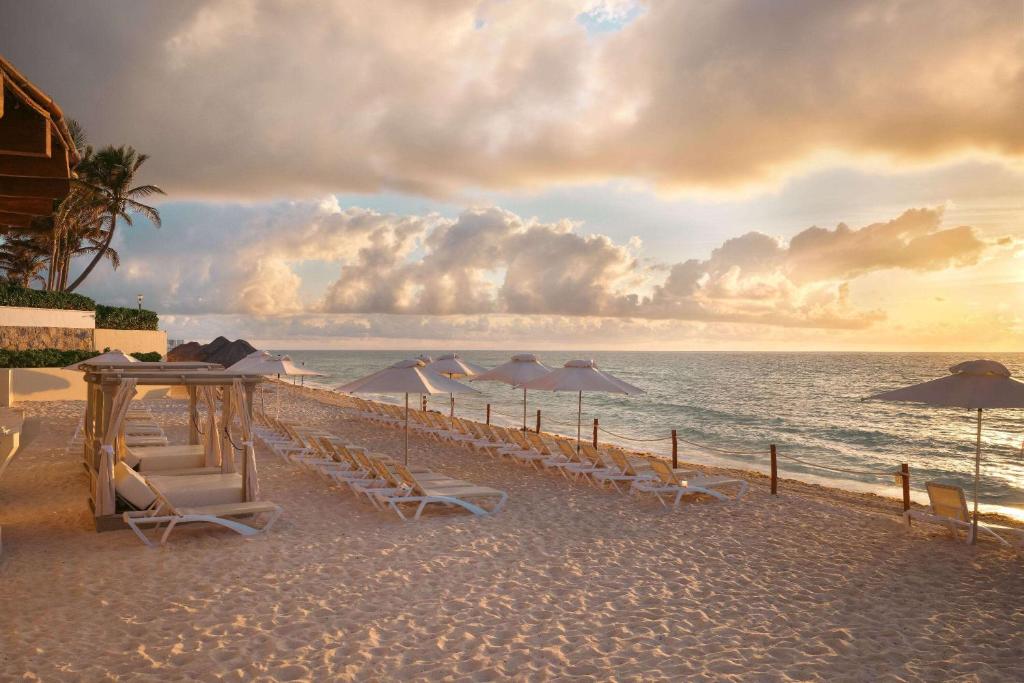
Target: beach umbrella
column 404, row 377
column 114, row 356
column 580, row 376
column 452, row 366
column 266, row 364
column 975, row 385
column 523, row 368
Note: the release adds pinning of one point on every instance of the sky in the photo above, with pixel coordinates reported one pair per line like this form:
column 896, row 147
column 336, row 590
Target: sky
column 588, row 174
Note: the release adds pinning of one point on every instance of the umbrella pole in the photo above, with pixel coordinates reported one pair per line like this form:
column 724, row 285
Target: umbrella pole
column 579, row 421
column 524, row 411
column 407, row 429
column 977, row 476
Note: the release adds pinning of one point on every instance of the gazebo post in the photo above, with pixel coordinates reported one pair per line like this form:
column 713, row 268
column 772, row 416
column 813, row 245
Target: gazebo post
column 250, row 392
column 193, row 415
column 107, row 392
column 88, row 423
column 226, row 418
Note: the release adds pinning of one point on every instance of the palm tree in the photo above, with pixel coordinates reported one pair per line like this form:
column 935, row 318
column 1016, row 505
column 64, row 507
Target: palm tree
column 109, row 173
column 23, row 257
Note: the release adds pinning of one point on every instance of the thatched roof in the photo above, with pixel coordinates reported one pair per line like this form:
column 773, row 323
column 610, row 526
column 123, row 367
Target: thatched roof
column 37, row 152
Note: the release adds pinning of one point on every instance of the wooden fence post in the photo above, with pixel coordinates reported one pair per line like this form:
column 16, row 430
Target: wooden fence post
column 905, row 476
column 488, row 413
column 595, row 432
column 675, row 450
column 538, row 420
column 775, row 473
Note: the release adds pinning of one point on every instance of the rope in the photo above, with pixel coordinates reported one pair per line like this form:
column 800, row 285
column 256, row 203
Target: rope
column 630, row 438
column 723, row 451
column 840, row 469
column 227, row 433
column 195, row 424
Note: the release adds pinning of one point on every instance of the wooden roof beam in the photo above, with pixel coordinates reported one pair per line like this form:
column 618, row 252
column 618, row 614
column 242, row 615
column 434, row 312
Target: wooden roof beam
column 15, row 220
column 40, row 188
column 31, row 206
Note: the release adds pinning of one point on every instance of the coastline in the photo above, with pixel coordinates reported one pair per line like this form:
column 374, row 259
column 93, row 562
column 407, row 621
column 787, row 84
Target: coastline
column 869, row 498
column 568, row 581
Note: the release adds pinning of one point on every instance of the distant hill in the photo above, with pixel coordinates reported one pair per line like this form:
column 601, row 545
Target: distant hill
column 220, row 350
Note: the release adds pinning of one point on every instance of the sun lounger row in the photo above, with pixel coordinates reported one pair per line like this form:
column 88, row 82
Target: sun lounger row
column 386, row 484
column 544, row 452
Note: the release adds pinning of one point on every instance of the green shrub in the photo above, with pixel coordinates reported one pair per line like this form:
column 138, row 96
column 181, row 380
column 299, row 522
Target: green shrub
column 14, row 295
column 117, row 318
column 148, row 357
column 42, row 358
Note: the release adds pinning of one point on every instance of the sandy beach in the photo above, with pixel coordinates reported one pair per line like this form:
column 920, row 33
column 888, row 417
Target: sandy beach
column 568, row 582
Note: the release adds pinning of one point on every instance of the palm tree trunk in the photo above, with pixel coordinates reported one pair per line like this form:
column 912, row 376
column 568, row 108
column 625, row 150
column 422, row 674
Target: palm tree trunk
column 95, row 259
column 51, row 275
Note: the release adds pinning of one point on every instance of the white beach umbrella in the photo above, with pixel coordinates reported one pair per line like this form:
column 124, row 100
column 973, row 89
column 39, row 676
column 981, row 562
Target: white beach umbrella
column 266, row 363
column 114, row 356
column 452, row 366
column 523, row 367
column 976, row 385
column 405, row 377
column 580, row 376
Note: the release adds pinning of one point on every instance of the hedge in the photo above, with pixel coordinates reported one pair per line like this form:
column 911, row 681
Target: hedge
column 117, row 318
column 107, row 317
column 42, row 358
column 13, row 295
column 56, row 358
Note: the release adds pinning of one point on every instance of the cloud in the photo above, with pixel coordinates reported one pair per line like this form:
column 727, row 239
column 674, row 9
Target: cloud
column 282, row 99
column 319, row 259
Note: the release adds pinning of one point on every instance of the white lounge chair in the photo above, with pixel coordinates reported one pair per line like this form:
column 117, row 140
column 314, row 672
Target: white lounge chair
column 442, row 491
column 670, row 484
column 948, row 507
column 154, row 507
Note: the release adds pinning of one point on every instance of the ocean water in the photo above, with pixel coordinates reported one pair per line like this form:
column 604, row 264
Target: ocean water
column 728, row 407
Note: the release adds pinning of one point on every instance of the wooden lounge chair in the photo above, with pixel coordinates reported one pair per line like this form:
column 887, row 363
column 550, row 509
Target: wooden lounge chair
column 447, row 492
column 948, row 507
column 670, row 484
column 154, row 507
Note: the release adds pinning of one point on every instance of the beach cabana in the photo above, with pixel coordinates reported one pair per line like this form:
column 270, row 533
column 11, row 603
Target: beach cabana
column 523, row 368
column 975, row 385
column 111, row 387
column 580, row 376
column 405, row 377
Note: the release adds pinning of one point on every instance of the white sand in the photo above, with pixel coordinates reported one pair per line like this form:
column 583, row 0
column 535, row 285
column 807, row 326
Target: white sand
column 567, row 582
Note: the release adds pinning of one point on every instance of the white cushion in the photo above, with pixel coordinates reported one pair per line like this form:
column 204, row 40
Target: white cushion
column 132, row 487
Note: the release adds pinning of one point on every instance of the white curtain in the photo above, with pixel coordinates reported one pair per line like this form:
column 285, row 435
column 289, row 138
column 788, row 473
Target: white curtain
column 105, row 477
column 211, row 437
column 227, row 417
column 250, row 481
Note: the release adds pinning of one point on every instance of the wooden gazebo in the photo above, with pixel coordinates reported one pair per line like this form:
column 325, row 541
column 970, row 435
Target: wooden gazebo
column 37, row 154
column 111, row 386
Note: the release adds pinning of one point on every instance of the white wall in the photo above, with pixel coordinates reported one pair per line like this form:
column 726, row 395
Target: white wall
column 17, row 316
column 131, row 341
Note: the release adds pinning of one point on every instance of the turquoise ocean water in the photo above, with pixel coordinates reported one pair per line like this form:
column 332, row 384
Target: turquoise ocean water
column 808, row 404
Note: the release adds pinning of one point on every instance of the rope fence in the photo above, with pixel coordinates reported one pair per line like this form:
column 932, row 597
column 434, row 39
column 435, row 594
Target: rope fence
column 902, row 472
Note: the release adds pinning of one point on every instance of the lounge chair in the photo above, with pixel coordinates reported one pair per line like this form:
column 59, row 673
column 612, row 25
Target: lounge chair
column 948, row 507
column 153, row 506
column 670, row 483
column 448, row 492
